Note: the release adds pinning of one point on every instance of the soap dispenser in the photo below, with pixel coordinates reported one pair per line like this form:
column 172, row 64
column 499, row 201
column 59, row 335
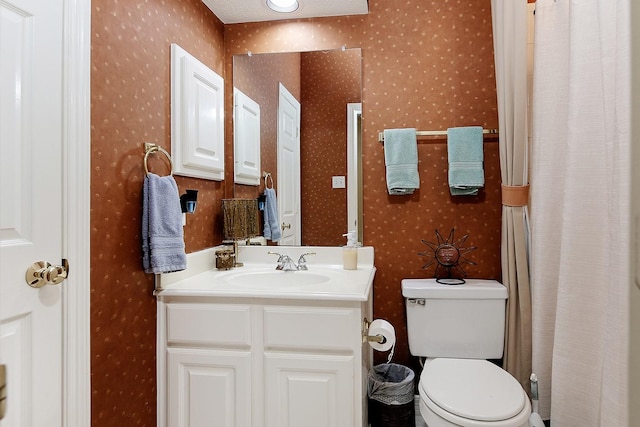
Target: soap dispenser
column 350, row 252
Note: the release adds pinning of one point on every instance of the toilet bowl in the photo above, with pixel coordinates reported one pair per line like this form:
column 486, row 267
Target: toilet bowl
column 471, row 393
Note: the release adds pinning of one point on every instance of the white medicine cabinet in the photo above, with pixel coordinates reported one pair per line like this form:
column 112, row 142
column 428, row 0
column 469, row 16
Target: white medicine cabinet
column 197, row 117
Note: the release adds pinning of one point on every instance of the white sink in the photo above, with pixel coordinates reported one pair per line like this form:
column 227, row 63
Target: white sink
column 275, row 278
column 324, row 280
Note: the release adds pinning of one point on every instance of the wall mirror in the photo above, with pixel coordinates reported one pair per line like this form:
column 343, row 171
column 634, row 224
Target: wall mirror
column 312, row 99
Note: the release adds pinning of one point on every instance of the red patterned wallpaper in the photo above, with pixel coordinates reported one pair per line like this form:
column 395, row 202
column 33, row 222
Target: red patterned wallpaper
column 330, row 80
column 426, row 64
column 130, row 105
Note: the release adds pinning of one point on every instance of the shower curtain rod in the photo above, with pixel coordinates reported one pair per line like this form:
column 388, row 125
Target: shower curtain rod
column 492, row 132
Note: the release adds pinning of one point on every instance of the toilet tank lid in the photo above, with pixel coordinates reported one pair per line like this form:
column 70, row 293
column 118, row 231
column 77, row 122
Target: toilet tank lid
column 471, row 289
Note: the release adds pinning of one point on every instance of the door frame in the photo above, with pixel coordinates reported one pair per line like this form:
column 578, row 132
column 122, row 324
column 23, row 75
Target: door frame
column 354, row 169
column 76, row 178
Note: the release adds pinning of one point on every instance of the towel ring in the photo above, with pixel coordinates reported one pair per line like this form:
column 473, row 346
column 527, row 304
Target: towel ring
column 267, row 175
column 149, row 148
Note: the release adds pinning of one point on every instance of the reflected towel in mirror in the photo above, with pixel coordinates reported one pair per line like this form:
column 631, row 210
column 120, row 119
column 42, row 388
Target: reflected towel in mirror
column 271, row 220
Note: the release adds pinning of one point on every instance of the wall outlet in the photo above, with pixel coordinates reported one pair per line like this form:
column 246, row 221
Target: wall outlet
column 338, row 182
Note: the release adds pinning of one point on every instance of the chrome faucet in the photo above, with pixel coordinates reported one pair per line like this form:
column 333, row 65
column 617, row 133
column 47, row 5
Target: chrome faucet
column 285, row 263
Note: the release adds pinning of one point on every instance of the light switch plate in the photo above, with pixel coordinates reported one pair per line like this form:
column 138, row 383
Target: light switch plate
column 338, row 182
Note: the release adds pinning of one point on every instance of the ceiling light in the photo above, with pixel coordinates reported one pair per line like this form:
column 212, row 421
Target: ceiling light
column 283, row 5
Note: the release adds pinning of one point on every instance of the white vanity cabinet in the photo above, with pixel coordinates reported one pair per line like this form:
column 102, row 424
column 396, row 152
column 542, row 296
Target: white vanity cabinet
column 261, row 362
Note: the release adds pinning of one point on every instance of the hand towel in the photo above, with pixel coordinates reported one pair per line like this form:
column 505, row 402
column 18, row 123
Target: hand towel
column 162, row 234
column 271, row 220
column 465, row 153
column 401, row 160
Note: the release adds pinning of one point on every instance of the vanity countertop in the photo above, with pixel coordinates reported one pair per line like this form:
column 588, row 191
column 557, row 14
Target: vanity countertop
column 325, row 278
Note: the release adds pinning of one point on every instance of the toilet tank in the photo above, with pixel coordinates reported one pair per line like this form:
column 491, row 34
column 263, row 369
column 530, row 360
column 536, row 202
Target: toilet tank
column 459, row 321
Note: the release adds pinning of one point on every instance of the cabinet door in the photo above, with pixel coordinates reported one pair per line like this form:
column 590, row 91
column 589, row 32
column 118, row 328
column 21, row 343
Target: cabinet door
column 209, row 388
column 309, row 390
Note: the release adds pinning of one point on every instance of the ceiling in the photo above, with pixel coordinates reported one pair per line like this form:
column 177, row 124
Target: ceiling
column 238, row 11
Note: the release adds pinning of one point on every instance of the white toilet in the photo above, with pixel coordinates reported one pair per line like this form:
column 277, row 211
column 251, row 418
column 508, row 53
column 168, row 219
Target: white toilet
column 457, row 327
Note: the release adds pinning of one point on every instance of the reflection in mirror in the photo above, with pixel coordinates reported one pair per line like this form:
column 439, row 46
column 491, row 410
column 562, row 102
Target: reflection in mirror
column 328, row 86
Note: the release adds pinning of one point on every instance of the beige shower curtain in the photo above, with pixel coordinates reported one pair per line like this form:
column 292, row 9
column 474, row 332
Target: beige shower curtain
column 510, row 47
column 580, row 174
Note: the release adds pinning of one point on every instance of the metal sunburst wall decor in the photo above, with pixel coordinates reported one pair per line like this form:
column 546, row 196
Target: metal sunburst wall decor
column 448, row 255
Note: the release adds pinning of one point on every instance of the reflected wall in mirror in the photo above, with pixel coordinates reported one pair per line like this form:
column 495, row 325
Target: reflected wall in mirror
column 325, row 83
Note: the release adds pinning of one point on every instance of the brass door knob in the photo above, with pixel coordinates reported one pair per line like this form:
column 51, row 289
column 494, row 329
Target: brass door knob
column 44, row 273
column 285, row 226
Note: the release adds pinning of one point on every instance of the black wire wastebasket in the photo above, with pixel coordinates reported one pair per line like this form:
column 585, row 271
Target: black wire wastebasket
column 391, row 396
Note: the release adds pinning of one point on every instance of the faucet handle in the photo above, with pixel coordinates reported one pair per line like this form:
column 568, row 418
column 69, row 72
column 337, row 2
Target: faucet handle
column 302, row 261
column 280, row 256
column 283, row 260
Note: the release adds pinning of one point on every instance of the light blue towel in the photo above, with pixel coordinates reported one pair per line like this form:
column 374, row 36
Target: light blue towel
column 401, row 160
column 271, row 220
column 465, row 152
column 162, row 234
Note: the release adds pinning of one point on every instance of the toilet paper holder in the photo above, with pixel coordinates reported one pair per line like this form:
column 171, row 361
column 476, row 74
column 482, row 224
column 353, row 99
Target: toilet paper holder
column 370, row 338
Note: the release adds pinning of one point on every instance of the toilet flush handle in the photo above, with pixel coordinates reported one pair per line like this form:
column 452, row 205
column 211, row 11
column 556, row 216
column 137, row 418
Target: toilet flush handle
column 416, row 301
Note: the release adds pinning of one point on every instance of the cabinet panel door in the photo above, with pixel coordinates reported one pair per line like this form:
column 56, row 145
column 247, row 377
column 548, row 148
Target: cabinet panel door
column 309, row 390
column 220, row 325
column 197, row 117
column 209, row 388
column 311, row 328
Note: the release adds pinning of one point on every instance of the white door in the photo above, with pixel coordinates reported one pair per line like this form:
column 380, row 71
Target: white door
column 31, row 105
column 289, row 167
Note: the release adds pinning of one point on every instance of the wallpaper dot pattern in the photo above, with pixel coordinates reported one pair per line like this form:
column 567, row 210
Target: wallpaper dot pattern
column 330, row 80
column 130, row 105
column 425, row 64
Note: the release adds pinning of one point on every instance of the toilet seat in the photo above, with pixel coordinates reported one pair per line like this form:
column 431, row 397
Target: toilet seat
column 474, row 390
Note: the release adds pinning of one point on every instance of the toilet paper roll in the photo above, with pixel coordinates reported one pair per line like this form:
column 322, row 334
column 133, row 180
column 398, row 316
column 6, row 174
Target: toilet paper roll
column 384, row 328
